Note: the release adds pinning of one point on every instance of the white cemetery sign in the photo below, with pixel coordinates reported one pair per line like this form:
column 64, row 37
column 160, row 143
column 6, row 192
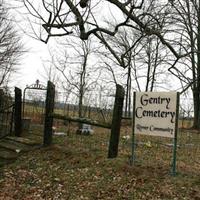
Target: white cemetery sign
column 155, row 113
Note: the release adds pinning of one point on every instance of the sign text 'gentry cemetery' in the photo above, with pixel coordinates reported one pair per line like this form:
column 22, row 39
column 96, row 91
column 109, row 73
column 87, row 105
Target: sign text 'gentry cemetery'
column 155, row 113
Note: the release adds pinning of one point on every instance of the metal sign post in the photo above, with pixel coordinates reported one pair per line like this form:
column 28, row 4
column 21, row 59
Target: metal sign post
column 175, row 137
column 133, row 132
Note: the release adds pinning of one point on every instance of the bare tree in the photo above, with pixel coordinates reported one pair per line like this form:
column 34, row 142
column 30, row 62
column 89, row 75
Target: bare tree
column 145, row 60
column 74, row 65
column 49, row 72
column 10, row 47
column 59, row 18
column 186, row 16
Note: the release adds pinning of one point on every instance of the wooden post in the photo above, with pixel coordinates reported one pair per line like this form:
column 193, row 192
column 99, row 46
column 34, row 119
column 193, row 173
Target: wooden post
column 18, row 112
column 116, row 122
column 1, row 99
column 48, row 131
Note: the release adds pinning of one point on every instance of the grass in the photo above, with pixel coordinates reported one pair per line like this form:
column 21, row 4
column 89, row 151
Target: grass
column 76, row 167
column 36, row 113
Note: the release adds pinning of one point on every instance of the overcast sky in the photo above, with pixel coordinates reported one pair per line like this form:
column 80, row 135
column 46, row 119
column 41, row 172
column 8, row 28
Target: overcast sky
column 31, row 66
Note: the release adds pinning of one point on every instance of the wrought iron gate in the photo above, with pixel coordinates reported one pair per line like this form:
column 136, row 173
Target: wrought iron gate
column 33, row 103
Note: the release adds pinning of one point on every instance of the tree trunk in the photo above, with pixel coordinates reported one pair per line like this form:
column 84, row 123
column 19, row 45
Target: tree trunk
column 81, row 90
column 128, row 91
column 196, row 94
column 196, row 101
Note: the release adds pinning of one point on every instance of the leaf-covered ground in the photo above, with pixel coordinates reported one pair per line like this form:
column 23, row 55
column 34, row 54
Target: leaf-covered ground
column 63, row 171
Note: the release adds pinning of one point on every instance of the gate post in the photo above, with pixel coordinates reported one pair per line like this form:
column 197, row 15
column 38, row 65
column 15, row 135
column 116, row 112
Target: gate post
column 18, row 112
column 116, row 122
column 49, row 107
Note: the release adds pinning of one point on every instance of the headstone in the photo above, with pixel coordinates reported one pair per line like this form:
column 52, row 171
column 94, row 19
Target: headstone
column 86, row 129
column 26, row 124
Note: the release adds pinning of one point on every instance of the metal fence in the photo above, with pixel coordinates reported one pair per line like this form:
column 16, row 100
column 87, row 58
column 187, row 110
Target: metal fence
column 6, row 113
column 150, row 151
